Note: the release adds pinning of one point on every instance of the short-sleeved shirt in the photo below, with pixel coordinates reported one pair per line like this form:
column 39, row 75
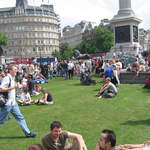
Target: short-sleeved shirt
column 11, row 93
column 50, row 144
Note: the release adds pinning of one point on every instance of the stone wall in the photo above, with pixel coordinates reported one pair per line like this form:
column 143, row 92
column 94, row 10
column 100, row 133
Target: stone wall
column 134, row 78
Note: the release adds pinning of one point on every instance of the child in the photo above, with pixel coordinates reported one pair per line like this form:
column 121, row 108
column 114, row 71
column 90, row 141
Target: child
column 25, row 98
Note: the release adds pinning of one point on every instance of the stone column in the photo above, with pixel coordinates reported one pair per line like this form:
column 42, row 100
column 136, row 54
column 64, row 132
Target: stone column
column 124, row 4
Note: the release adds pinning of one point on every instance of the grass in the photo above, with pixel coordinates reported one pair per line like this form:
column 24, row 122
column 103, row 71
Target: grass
column 128, row 114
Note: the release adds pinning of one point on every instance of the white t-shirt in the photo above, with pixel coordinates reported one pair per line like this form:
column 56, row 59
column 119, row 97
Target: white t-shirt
column 12, row 93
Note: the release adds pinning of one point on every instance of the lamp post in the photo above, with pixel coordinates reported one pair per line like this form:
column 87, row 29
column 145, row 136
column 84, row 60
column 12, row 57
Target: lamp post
column 40, row 51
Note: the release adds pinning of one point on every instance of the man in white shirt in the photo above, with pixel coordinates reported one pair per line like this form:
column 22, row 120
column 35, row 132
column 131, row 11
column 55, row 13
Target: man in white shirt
column 8, row 85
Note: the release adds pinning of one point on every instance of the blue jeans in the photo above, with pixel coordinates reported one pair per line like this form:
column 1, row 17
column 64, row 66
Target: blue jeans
column 14, row 109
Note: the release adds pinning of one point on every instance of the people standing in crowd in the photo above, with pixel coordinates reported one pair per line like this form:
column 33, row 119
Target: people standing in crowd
column 70, row 69
column 30, row 84
column 107, row 140
column 44, row 70
column 64, row 67
column 57, row 139
column 11, row 105
column 108, row 72
column 115, row 78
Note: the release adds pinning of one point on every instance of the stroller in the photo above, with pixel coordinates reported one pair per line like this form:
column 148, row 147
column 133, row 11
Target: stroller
column 85, row 79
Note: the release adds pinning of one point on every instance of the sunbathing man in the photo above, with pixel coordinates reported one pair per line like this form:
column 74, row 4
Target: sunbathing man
column 57, row 139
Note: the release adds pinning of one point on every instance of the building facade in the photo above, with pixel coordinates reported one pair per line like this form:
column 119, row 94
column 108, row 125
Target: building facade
column 75, row 35
column 32, row 31
column 144, row 39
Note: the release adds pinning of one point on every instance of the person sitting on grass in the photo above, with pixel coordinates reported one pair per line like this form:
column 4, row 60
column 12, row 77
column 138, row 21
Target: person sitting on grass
column 46, row 98
column 57, row 138
column 107, row 140
column 108, row 90
column 25, row 98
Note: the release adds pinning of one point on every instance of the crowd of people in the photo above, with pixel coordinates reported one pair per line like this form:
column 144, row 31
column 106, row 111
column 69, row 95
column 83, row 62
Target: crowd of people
column 22, row 81
column 57, row 139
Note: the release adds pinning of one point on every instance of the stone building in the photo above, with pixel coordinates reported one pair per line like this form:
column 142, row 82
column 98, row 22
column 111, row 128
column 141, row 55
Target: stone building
column 32, row 31
column 75, row 35
column 144, row 39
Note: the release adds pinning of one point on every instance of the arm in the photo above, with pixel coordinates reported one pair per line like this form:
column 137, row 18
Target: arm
column 106, row 86
column 131, row 146
column 79, row 139
column 8, row 89
column 45, row 97
column 4, row 85
column 97, row 147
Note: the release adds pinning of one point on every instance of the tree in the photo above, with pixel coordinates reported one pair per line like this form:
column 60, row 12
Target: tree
column 64, row 52
column 87, row 47
column 104, row 39
column 3, row 39
column 56, row 54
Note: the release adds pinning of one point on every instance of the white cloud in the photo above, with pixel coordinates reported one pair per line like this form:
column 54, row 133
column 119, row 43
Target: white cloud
column 73, row 11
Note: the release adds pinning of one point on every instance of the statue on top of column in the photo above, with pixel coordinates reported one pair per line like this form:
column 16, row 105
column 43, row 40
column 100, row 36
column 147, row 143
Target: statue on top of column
column 21, row 3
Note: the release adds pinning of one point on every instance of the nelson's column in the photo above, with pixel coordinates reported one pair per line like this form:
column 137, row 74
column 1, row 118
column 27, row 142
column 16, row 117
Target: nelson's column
column 125, row 26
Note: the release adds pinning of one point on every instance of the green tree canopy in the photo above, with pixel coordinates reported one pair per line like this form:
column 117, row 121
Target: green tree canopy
column 102, row 42
column 87, row 47
column 3, row 39
column 104, row 39
column 64, row 52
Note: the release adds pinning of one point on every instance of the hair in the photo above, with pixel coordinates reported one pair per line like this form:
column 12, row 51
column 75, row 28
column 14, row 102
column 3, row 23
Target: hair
column 36, row 147
column 11, row 66
column 55, row 124
column 111, row 136
column 108, row 79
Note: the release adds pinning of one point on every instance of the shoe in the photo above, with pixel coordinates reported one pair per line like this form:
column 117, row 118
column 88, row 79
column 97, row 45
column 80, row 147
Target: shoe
column 100, row 97
column 31, row 135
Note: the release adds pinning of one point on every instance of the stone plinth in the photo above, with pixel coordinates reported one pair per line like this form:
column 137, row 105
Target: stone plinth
column 133, row 77
column 125, row 26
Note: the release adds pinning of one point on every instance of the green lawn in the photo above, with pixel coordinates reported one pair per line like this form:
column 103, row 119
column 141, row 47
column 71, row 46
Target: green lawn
column 128, row 114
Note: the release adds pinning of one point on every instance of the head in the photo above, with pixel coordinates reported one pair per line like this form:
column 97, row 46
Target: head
column 56, row 129
column 107, row 139
column 43, row 90
column 107, row 79
column 12, row 69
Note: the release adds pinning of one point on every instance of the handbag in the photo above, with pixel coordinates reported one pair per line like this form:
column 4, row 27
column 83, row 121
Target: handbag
column 4, row 96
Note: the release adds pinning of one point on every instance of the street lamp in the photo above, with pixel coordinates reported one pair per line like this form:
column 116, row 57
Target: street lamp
column 40, row 51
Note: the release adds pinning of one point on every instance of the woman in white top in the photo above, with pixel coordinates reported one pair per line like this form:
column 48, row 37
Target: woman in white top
column 108, row 90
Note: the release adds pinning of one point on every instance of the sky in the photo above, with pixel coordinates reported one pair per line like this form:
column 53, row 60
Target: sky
column 74, row 11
